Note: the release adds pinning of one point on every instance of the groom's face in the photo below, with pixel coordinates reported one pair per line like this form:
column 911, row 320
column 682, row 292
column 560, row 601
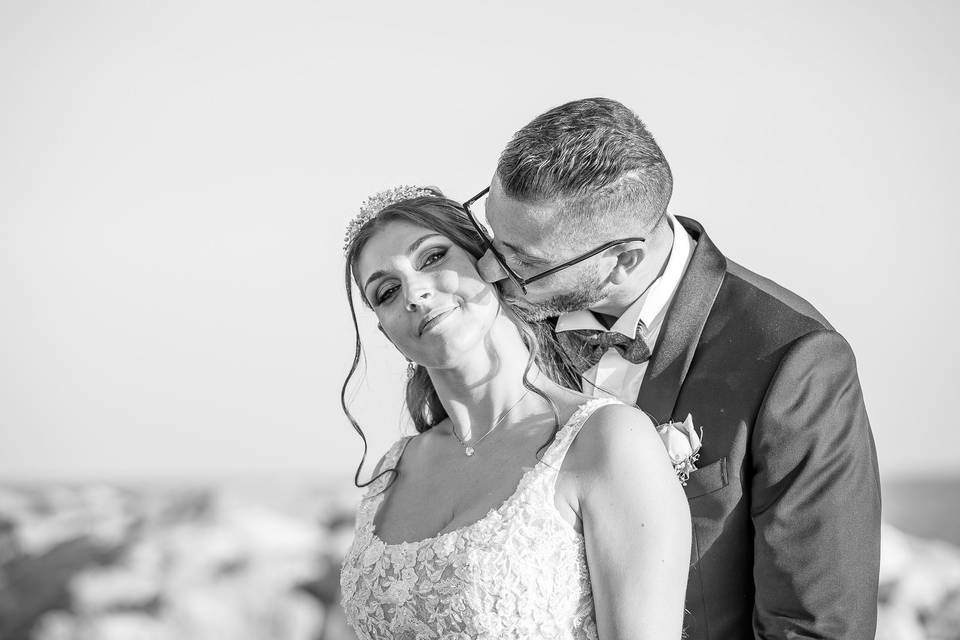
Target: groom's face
column 531, row 241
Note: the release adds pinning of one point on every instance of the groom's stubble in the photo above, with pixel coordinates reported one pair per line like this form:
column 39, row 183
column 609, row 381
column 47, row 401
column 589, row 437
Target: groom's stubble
column 588, row 291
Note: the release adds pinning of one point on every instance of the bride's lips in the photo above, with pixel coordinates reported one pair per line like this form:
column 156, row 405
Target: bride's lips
column 434, row 318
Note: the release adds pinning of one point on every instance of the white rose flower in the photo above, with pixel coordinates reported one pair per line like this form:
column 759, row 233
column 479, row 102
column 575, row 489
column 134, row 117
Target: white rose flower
column 683, row 446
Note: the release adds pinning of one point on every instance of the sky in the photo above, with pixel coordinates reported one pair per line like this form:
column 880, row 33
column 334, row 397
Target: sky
column 175, row 179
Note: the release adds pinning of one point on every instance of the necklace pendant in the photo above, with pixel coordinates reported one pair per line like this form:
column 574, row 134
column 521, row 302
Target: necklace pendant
column 468, row 451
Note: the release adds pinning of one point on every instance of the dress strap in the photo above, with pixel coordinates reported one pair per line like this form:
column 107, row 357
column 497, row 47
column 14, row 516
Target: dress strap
column 390, row 460
column 557, row 451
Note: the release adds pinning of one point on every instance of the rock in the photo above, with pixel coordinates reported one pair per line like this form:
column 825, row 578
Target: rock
column 920, row 588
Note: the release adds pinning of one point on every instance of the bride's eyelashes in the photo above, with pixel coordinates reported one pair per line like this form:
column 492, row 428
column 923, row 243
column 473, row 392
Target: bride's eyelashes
column 387, row 293
column 385, row 296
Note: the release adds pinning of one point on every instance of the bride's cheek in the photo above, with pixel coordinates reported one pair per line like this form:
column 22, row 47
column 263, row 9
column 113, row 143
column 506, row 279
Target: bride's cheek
column 449, row 281
column 474, row 287
column 389, row 326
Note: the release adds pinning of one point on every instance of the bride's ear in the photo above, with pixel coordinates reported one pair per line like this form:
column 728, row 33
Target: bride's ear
column 627, row 262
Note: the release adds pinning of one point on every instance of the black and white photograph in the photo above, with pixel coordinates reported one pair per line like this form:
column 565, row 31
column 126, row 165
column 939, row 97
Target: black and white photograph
column 504, row 321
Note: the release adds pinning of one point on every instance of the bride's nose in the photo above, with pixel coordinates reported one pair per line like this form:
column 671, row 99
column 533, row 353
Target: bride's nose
column 417, row 297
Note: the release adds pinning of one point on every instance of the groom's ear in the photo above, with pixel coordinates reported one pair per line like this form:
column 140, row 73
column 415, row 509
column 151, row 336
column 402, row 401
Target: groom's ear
column 627, row 262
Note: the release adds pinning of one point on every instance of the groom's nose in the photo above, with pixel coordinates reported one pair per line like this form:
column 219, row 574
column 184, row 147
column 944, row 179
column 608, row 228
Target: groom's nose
column 490, row 270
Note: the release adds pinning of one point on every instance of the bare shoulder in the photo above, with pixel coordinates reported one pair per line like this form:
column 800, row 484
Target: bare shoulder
column 419, row 448
column 612, row 429
column 406, row 450
column 616, row 416
column 618, row 441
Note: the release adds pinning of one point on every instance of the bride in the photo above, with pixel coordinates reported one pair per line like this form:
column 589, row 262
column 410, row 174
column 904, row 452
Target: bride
column 520, row 509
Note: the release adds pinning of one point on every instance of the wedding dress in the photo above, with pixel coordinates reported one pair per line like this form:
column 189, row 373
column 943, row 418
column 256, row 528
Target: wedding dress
column 518, row 572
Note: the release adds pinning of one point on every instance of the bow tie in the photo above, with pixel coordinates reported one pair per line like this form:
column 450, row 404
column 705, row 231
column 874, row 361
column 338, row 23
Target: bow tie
column 586, row 347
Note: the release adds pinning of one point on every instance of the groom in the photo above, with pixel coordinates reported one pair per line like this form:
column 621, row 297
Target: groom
column 786, row 497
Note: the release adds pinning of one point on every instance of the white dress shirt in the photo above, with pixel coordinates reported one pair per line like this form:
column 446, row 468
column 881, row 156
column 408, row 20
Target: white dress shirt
column 613, row 376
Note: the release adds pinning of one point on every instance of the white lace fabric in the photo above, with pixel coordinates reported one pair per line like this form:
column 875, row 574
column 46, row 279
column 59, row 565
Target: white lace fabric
column 518, row 572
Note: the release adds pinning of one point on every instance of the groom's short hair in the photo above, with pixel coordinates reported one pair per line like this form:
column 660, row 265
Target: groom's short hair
column 595, row 159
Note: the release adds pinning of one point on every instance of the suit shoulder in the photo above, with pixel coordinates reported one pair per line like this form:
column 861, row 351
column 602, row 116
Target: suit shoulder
column 755, row 319
column 756, row 304
column 752, row 318
column 826, row 350
column 769, row 295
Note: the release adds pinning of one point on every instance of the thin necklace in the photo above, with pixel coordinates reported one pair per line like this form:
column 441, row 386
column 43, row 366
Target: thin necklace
column 469, row 449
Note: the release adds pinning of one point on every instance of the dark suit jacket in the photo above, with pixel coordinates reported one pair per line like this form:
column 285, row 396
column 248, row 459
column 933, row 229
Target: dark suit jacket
column 786, row 500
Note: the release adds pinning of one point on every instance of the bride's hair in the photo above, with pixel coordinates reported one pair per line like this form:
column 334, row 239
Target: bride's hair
column 446, row 217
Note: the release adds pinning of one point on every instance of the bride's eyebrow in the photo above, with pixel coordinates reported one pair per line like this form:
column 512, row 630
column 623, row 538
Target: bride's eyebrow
column 419, row 241
column 413, row 247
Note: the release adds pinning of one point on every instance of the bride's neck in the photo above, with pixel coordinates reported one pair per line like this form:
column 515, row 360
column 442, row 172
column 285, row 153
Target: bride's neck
column 486, row 383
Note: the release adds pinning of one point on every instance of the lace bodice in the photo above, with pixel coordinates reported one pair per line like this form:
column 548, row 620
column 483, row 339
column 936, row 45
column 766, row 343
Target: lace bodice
column 518, row 572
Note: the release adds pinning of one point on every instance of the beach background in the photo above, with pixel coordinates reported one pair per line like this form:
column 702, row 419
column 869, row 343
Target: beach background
column 176, row 179
column 260, row 559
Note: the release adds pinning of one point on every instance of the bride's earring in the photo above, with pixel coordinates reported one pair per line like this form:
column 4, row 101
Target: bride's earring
column 411, row 369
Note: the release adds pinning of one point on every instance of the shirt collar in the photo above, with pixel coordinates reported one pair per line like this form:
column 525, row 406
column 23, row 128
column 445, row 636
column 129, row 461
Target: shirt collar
column 645, row 309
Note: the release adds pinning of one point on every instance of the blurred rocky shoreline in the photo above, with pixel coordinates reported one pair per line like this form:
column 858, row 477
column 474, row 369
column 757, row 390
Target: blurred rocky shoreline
column 100, row 562
column 261, row 560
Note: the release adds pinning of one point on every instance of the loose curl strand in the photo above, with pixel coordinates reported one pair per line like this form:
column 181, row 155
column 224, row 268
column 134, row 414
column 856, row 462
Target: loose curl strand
column 357, row 355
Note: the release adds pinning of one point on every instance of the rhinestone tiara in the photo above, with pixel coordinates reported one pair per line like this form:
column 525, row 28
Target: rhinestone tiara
column 377, row 203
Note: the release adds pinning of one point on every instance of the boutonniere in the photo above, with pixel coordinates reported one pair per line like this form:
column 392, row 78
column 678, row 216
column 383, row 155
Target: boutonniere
column 683, row 446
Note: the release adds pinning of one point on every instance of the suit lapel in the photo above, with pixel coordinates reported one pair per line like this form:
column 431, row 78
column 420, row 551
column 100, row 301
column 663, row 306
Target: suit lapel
column 682, row 326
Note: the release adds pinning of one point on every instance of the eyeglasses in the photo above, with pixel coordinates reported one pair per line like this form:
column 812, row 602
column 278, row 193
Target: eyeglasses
column 486, row 232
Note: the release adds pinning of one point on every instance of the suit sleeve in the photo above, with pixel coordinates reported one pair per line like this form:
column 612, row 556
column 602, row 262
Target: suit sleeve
column 815, row 498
